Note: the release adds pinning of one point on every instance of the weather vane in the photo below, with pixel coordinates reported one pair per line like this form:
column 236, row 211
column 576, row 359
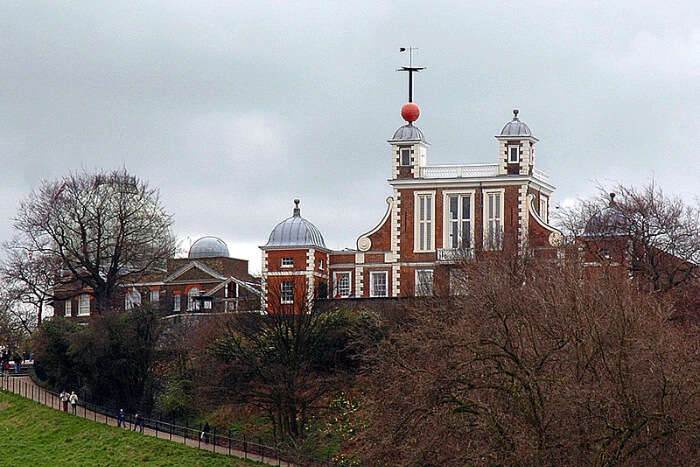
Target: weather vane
column 410, row 69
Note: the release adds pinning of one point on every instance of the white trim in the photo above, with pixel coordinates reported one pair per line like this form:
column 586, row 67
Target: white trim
column 517, row 160
column 473, row 182
column 485, row 216
column 544, row 208
column 416, row 221
column 446, row 215
column 67, row 307
column 371, row 283
column 81, row 299
column 282, row 300
column 335, row 283
column 194, row 264
column 363, row 242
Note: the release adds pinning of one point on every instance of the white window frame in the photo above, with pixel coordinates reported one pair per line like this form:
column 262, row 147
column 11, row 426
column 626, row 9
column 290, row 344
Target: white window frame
column 401, row 153
column 420, row 291
column 132, row 299
column 429, row 223
column 336, row 276
column 154, row 296
column 320, row 264
column 446, row 220
column 177, row 302
column 193, row 305
column 285, row 300
column 486, row 218
column 68, row 308
column 510, row 153
column 84, row 305
column 207, row 303
column 372, row 276
column 544, row 211
column 287, row 264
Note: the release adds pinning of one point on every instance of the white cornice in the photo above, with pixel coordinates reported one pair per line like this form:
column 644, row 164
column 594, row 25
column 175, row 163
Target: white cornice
column 472, row 182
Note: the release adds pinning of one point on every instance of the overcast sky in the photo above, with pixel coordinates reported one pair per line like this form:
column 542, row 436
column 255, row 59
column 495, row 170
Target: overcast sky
column 233, row 110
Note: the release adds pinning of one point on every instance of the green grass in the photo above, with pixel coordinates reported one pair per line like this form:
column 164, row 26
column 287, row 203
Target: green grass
column 31, row 434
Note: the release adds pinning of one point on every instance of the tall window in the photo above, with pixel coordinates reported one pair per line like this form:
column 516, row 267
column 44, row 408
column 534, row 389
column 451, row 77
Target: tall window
column 287, row 295
column 342, row 284
column 544, row 214
column 176, row 302
column 513, row 154
column 132, row 299
column 68, row 307
column 493, row 220
column 405, row 156
column 424, row 282
column 84, row 305
column 287, row 262
column 378, row 284
column 192, row 303
column 458, row 221
column 424, row 227
column 155, row 296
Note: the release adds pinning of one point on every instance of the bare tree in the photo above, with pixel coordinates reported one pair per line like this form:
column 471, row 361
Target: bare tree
column 543, row 363
column 99, row 227
column 28, row 283
column 656, row 236
column 284, row 362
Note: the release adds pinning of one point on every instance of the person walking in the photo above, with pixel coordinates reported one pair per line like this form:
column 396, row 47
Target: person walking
column 73, row 399
column 138, row 422
column 205, row 432
column 64, row 400
column 121, row 419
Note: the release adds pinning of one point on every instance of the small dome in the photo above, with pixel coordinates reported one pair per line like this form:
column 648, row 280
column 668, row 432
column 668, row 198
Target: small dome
column 608, row 222
column 295, row 231
column 515, row 127
column 408, row 133
column 208, row 247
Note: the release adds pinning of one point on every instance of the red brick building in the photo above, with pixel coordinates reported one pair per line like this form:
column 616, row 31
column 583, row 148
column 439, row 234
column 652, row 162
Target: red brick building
column 207, row 281
column 438, row 217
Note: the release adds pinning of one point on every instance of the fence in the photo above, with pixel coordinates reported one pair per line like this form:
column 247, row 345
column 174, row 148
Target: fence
column 223, row 443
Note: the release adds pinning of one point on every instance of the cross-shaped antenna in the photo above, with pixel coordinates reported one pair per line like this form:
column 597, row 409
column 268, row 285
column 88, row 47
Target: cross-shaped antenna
column 410, row 69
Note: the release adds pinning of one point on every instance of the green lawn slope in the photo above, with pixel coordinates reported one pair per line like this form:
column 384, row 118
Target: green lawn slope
column 31, row 434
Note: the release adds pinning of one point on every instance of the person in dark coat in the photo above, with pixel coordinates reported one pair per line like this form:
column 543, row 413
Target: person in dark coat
column 205, row 432
column 121, row 419
column 138, row 422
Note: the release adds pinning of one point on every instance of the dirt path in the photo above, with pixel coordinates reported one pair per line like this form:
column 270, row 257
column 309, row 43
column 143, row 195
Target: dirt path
column 24, row 386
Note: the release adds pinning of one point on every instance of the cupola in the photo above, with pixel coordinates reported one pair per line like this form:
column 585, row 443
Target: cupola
column 516, row 148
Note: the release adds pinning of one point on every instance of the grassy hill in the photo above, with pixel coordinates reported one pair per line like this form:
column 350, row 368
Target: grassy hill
column 31, row 434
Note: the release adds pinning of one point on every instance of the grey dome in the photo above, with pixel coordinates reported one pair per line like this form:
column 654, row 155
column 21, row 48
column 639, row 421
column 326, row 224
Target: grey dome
column 295, row 231
column 608, row 222
column 408, row 133
column 515, row 127
column 208, row 247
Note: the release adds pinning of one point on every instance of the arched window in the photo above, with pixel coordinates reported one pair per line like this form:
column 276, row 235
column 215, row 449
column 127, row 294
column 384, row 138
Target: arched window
column 132, row 299
column 192, row 304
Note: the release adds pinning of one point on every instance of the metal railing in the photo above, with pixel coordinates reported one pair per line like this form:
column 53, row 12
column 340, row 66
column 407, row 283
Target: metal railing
column 454, row 255
column 215, row 440
column 459, row 171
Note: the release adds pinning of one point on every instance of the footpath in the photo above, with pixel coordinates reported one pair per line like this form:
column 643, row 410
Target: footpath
column 24, row 386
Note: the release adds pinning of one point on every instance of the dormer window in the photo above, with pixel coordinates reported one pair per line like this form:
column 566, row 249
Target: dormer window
column 287, row 262
column 405, row 156
column 513, row 154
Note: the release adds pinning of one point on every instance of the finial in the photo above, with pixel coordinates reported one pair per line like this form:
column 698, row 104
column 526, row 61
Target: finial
column 515, row 114
column 297, row 211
